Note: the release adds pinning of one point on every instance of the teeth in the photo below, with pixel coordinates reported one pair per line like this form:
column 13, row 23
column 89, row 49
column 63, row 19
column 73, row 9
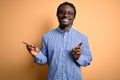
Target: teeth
column 65, row 20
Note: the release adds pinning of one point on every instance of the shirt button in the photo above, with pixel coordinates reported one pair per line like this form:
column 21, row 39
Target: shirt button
column 64, row 75
column 64, row 37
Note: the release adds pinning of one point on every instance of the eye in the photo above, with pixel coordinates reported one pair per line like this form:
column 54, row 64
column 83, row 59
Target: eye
column 70, row 13
column 66, row 12
column 62, row 12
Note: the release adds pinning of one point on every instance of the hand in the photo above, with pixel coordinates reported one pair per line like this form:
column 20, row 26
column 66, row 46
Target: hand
column 76, row 52
column 32, row 49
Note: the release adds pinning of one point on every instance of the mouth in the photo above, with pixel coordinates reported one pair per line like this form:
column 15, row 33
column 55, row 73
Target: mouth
column 65, row 20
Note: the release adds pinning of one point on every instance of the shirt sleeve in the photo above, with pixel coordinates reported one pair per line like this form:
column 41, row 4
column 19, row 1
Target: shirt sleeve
column 86, row 56
column 41, row 57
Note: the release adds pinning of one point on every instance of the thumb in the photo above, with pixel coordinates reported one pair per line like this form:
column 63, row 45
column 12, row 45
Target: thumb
column 80, row 43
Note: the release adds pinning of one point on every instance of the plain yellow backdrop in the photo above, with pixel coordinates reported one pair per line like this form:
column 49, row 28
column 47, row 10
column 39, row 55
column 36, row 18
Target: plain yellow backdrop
column 29, row 20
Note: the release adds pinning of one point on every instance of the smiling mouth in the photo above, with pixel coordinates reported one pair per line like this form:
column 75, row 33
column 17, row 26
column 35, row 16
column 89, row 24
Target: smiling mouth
column 65, row 20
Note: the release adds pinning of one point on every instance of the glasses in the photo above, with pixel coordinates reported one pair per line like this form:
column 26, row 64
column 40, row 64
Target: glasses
column 66, row 13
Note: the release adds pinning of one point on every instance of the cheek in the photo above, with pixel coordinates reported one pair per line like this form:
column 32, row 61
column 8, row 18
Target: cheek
column 59, row 16
column 71, row 20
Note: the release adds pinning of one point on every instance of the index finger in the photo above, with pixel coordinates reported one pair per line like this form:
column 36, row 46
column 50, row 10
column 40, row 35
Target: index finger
column 80, row 43
column 25, row 43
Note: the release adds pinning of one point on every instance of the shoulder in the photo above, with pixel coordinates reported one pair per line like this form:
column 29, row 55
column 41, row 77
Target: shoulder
column 50, row 33
column 78, row 33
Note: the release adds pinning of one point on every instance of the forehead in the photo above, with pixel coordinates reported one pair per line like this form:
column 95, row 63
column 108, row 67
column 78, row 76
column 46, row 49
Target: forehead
column 66, row 8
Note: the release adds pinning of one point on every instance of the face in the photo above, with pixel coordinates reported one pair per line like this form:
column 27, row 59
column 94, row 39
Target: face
column 66, row 16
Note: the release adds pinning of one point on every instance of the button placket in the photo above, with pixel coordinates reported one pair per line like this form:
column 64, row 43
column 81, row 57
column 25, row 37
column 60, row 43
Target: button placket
column 64, row 57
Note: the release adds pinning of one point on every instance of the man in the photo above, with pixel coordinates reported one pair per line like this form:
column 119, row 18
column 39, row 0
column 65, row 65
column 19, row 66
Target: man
column 64, row 49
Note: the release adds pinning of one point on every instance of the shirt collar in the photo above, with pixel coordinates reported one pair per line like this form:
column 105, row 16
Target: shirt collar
column 68, row 31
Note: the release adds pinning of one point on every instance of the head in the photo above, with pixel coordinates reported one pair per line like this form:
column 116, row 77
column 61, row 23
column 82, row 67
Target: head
column 66, row 13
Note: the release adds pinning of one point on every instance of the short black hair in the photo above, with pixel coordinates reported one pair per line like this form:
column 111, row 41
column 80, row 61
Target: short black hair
column 67, row 3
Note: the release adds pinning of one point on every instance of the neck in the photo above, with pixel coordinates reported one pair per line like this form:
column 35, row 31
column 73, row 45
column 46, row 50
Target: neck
column 65, row 29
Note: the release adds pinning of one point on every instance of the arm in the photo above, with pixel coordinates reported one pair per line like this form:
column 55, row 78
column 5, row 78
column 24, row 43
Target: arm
column 41, row 57
column 85, row 57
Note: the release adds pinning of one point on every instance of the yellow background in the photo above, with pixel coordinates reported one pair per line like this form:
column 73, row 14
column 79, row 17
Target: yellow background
column 28, row 20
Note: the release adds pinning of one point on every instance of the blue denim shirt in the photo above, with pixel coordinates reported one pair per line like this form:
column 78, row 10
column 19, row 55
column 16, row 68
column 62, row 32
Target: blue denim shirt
column 56, row 50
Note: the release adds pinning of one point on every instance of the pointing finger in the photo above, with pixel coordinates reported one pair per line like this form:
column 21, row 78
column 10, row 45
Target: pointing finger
column 80, row 43
column 25, row 43
column 78, row 47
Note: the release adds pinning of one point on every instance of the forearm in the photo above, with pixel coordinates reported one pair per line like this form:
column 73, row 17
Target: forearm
column 84, row 60
column 40, row 58
column 86, row 56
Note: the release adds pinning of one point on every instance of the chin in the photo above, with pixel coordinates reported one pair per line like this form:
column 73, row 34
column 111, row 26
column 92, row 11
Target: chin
column 63, row 26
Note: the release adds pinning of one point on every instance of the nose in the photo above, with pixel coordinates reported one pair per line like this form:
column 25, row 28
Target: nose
column 65, row 14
